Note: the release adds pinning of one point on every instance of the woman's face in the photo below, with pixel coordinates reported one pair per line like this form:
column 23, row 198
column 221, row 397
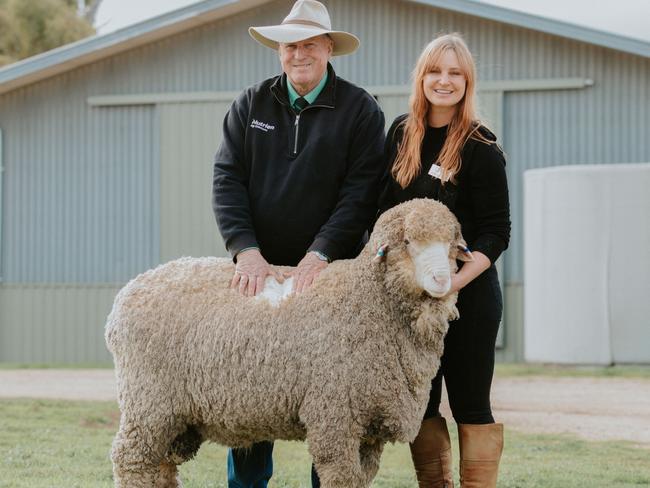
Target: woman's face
column 444, row 86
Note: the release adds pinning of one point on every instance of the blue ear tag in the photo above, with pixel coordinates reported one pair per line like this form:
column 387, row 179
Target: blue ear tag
column 381, row 253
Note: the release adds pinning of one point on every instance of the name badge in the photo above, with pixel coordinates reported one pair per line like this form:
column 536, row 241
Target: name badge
column 435, row 171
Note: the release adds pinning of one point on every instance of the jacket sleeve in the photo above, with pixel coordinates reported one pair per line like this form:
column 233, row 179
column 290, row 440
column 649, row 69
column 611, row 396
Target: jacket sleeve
column 230, row 182
column 489, row 201
column 357, row 199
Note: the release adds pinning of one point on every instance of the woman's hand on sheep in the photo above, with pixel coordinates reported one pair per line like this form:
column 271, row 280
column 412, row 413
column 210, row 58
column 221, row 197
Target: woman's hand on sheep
column 251, row 272
column 307, row 271
column 469, row 271
column 456, row 283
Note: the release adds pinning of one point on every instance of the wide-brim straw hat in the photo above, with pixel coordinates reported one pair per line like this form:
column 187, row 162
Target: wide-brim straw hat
column 308, row 18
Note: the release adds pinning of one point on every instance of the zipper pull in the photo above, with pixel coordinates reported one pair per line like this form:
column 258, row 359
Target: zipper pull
column 295, row 140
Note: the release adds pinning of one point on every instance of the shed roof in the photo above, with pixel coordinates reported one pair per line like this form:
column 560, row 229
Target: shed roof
column 98, row 47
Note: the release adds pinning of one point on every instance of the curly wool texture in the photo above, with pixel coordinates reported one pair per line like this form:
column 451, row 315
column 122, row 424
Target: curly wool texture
column 346, row 365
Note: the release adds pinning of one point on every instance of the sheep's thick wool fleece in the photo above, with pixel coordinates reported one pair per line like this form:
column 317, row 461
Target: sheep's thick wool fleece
column 354, row 353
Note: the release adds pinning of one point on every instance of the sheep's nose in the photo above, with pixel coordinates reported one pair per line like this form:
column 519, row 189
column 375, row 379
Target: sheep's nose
column 441, row 278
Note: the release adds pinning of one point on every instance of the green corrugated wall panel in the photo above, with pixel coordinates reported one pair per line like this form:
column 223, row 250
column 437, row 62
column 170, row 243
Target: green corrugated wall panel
column 50, row 122
column 190, row 136
column 80, row 201
column 603, row 122
column 54, row 323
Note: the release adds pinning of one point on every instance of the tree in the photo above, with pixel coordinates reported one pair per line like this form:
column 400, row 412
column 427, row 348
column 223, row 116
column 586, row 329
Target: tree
column 91, row 8
column 29, row 27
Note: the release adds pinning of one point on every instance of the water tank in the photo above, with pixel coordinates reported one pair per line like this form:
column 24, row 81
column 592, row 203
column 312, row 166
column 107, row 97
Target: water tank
column 587, row 264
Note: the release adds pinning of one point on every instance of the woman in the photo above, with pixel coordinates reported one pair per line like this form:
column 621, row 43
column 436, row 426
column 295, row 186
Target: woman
column 439, row 150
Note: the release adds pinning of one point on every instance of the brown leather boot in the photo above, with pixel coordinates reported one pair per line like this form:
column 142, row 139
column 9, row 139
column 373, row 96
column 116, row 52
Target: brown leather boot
column 431, row 454
column 480, row 452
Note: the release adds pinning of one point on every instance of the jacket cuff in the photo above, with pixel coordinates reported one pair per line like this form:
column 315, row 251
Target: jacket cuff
column 491, row 246
column 241, row 242
column 325, row 247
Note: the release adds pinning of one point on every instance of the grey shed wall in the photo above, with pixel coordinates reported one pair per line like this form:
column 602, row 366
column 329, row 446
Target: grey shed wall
column 82, row 194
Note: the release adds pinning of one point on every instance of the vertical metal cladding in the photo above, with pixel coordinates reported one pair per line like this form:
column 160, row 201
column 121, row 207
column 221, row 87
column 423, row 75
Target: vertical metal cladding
column 81, row 184
column 79, row 190
column 605, row 123
column 2, row 169
column 61, row 323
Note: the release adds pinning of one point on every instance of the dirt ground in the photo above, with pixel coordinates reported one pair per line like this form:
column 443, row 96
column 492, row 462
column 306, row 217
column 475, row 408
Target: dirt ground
column 591, row 408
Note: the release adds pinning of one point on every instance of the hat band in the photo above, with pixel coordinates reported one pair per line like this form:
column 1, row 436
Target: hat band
column 305, row 22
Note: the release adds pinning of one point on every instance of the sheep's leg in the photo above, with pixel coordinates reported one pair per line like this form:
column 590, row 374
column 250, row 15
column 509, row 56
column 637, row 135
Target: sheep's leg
column 138, row 453
column 370, row 455
column 132, row 463
column 168, row 476
column 337, row 461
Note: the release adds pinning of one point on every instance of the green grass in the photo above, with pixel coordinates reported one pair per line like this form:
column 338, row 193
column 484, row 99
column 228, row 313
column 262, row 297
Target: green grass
column 617, row 371
column 61, row 443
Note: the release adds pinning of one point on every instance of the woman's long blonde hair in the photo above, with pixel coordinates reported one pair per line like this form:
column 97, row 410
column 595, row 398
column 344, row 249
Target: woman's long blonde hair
column 463, row 125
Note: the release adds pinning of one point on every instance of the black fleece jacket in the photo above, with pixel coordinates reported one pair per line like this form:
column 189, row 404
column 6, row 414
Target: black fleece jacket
column 290, row 183
column 478, row 198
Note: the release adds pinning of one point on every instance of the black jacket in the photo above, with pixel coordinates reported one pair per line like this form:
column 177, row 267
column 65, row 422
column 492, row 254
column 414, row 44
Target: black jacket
column 289, row 183
column 478, row 198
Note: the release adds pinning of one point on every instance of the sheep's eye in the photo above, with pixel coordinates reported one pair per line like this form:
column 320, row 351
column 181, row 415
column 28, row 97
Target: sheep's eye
column 406, row 242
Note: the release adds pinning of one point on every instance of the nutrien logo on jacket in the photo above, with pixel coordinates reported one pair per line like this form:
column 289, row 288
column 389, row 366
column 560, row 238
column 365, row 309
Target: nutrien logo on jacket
column 256, row 124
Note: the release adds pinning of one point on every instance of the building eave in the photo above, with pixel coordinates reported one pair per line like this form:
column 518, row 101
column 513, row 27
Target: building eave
column 95, row 48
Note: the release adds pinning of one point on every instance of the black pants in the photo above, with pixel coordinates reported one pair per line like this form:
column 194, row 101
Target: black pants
column 467, row 364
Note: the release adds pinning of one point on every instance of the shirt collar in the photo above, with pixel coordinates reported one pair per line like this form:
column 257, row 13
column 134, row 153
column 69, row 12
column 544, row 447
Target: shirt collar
column 311, row 96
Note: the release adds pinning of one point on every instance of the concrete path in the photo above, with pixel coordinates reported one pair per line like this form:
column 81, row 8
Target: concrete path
column 592, row 408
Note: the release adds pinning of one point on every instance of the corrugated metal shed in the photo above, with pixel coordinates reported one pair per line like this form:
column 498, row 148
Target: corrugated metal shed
column 108, row 164
column 81, row 191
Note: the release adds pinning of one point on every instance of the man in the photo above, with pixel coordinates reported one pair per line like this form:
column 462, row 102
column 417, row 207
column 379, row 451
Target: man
column 296, row 176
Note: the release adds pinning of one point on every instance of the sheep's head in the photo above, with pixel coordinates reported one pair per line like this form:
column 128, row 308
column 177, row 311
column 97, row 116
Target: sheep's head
column 418, row 242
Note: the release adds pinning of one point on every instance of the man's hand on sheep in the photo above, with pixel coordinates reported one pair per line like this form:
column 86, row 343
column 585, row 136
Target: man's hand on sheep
column 306, row 272
column 251, row 271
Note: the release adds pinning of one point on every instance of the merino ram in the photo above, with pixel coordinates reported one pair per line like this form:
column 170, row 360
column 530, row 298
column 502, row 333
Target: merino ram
column 347, row 365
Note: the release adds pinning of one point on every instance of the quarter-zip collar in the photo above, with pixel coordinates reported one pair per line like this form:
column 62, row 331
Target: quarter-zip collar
column 326, row 98
column 309, row 97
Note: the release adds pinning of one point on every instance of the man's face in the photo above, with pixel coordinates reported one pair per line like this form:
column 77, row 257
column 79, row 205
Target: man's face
column 305, row 62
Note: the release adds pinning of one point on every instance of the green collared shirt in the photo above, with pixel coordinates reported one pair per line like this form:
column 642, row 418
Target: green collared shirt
column 311, row 96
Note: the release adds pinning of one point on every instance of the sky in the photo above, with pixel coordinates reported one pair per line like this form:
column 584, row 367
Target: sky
column 630, row 18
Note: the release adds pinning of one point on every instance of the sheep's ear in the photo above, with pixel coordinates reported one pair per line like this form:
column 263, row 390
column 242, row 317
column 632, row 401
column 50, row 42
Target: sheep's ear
column 389, row 228
column 381, row 254
column 464, row 254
